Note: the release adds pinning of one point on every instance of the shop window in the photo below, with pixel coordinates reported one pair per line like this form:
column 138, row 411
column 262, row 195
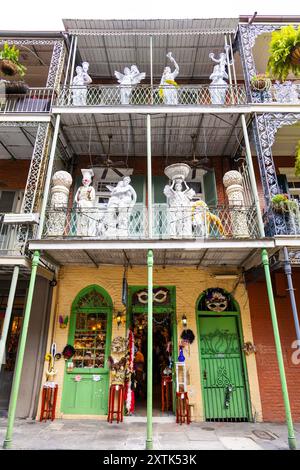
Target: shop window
column 90, row 340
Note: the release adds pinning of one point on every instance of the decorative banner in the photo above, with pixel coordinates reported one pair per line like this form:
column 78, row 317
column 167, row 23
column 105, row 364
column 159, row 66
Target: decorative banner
column 77, row 378
column 96, row 378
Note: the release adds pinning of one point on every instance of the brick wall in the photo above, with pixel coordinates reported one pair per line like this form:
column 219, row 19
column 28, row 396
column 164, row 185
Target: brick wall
column 14, row 174
column 268, row 372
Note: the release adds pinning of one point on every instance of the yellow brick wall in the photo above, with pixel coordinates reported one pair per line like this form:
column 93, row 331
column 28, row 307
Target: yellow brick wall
column 189, row 282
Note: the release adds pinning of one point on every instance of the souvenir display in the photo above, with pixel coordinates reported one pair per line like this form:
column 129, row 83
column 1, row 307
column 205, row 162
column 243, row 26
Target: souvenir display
column 90, row 340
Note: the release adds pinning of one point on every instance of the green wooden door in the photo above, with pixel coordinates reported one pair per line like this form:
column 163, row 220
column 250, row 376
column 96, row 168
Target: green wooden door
column 223, row 378
column 86, row 383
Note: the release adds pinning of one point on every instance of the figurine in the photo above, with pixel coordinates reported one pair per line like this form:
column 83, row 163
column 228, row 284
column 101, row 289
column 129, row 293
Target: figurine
column 85, row 200
column 127, row 80
column 120, row 204
column 179, row 202
column 219, row 86
column 168, row 84
column 80, row 81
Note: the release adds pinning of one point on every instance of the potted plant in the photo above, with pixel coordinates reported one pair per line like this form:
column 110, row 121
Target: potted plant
column 281, row 203
column 9, row 61
column 284, row 52
column 261, row 82
column 297, row 160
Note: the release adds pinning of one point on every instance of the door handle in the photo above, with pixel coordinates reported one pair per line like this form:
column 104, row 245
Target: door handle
column 204, row 375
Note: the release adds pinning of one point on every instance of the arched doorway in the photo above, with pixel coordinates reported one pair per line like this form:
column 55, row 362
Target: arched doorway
column 86, row 379
column 224, row 377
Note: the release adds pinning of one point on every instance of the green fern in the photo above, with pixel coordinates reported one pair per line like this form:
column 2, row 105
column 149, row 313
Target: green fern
column 281, row 46
column 12, row 53
column 297, row 160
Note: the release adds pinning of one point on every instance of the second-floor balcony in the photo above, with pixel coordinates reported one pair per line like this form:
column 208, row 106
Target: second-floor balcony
column 147, row 95
column 195, row 222
column 35, row 100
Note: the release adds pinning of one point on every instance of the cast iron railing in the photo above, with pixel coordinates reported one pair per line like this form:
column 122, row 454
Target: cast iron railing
column 36, row 100
column 287, row 219
column 147, row 95
column 220, row 222
column 12, row 241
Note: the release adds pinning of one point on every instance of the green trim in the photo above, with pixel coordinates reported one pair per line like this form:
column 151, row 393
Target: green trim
column 72, row 327
column 208, row 313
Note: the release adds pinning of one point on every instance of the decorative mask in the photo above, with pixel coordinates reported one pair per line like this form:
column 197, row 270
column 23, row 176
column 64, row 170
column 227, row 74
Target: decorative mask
column 216, row 300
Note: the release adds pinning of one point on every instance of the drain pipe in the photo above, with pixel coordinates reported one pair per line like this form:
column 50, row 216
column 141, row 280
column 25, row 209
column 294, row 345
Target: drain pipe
column 285, row 394
column 149, row 440
column 288, row 273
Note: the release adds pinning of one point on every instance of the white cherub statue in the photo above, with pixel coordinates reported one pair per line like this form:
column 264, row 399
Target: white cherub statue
column 80, row 82
column 131, row 77
column 168, row 84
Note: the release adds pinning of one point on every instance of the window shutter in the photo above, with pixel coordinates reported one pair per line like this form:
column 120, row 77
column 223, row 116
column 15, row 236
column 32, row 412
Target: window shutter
column 210, row 190
column 138, row 183
column 159, row 182
column 283, row 184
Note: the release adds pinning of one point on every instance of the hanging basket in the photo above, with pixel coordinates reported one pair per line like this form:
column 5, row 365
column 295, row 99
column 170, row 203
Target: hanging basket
column 261, row 84
column 8, row 67
column 16, row 88
column 295, row 55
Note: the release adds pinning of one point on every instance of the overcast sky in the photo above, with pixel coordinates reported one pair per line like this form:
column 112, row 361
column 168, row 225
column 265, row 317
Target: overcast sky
column 47, row 15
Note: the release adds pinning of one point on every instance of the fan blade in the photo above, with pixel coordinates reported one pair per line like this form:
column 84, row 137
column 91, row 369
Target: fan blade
column 118, row 172
column 194, row 173
column 104, row 173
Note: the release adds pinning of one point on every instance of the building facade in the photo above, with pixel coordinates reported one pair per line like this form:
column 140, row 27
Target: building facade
column 154, row 163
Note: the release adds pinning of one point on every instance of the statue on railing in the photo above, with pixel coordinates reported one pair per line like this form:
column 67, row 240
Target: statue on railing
column 219, row 86
column 168, row 90
column 119, row 207
column 80, row 82
column 127, row 80
column 85, row 200
column 179, row 201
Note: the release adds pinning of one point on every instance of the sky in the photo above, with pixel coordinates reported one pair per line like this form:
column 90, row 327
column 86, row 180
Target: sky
column 42, row 15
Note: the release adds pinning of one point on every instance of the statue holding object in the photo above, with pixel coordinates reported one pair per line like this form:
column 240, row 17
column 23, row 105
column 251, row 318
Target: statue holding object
column 119, row 207
column 219, row 86
column 80, row 82
column 168, row 85
column 85, row 201
column 127, row 80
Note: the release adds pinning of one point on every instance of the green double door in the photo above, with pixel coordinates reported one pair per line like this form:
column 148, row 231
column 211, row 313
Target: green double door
column 224, row 387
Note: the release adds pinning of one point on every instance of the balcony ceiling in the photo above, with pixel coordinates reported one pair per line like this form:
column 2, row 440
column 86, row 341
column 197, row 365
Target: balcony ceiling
column 171, row 134
column 110, row 45
column 16, row 142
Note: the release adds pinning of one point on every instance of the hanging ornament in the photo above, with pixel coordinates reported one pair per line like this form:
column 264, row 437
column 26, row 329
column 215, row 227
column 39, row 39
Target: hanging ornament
column 181, row 357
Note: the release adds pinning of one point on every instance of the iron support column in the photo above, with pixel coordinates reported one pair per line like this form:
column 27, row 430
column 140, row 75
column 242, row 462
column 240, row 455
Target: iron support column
column 48, row 178
column 252, row 176
column 149, row 440
column 9, row 307
column 20, row 357
column 288, row 273
column 73, row 60
column 149, row 177
column 289, row 420
column 68, row 63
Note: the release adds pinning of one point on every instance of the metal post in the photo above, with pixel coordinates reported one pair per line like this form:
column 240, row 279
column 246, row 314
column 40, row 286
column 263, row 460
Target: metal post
column 68, row 63
column 232, row 58
column 149, row 440
column 228, row 61
column 73, row 60
column 48, row 177
column 252, row 177
column 10, row 302
column 149, row 178
column 151, row 68
column 288, row 272
column 20, row 357
column 289, row 420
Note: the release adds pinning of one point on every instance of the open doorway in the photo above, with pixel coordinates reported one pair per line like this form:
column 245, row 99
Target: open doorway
column 162, row 363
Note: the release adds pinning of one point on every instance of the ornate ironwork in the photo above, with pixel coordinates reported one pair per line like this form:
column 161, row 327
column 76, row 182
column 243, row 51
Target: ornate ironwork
column 56, row 65
column 92, row 299
column 29, row 42
column 220, row 342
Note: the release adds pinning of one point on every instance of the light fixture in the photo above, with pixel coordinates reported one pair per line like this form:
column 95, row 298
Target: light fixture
column 119, row 318
column 184, row 320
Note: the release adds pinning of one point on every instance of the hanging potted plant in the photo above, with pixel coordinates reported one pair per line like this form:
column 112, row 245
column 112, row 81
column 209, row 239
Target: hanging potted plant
column 10, row 66
column 297, row 160
column 261, row 82
column 284, row 53
column 281, row 203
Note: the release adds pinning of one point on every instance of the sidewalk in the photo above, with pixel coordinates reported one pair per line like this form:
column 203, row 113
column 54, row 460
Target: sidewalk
column 92, row 434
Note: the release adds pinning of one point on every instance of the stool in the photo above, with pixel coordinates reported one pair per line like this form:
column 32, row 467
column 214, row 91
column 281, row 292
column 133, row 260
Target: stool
column 166, row 392
column 182, row 408
column 49, row 398
column 116, row 394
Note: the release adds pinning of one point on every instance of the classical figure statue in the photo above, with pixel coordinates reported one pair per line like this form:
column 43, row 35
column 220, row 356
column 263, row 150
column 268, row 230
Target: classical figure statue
column 218, row 86
column 168, row 84
column 179, row 202
column 80, row 82
column 85, row 200
column 131, row 77
column 119, row 207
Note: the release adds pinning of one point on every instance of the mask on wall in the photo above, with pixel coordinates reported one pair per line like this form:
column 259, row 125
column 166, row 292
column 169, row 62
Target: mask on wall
column 216, row 300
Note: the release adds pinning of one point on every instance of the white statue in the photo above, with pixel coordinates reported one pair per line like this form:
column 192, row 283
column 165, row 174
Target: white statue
column 179, row 202
column 119, row 207
column 168, row 84
column 80, row 82
column 85, row 200
column 218, row 86
column 131, row 77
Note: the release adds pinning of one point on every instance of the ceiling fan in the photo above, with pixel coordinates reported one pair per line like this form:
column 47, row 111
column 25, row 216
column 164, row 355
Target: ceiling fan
column 107, row 163
column 196, row 163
